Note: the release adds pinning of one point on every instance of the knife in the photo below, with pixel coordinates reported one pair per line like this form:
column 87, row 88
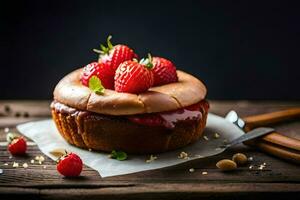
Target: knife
column 273, row 143
column 255, row 133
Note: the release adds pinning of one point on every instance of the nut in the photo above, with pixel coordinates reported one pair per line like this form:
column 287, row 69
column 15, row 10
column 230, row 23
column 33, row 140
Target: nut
column 240, row 159
column 226, row 165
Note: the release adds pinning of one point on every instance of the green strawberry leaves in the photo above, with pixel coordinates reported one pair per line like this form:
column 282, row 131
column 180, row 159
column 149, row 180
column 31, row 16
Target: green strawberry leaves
column 119, row 155
column 95, row 85
column 147, row 62
column 103, row 49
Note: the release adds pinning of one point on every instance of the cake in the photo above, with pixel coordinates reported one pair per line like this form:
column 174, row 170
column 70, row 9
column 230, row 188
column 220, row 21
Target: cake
column 138, row 118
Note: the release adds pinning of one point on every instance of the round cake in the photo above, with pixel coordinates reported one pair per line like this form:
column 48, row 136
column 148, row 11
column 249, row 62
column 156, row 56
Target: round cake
column 122, row 104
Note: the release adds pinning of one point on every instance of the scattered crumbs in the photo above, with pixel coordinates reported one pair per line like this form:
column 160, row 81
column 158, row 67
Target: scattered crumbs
column 6, row 130
column 25, row 165
column 44, row 166
column 15, row 164
column 32, row 161
column 90, row 150
column 191, row 170
column 250, row 159
column 5, row 164
column 151, row 159
column 183, row 155
column 216, row 136
column 261, row 167
column 251, row 166
column 205, row 138
column 1, row 171
column 204, row 173
column 40, row 159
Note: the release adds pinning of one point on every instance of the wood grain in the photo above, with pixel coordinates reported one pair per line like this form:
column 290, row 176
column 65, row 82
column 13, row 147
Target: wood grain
column 278, row 180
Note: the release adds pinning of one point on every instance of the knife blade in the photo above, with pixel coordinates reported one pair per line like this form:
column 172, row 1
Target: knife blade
column 258, row 132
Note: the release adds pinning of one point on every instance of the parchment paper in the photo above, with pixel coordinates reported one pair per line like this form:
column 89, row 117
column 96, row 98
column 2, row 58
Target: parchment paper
column 46, row 136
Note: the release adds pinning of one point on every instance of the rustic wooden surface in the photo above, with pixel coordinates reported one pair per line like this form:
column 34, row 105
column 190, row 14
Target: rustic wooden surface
column 278, row 180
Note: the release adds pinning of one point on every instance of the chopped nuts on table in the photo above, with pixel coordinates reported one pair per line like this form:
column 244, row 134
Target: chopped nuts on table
column 240, row 159
column 226, row 165
column 183, row 155
column 151, row 159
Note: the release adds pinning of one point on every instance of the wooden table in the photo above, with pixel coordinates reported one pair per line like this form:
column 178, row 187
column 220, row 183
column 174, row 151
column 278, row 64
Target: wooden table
column 278, row 180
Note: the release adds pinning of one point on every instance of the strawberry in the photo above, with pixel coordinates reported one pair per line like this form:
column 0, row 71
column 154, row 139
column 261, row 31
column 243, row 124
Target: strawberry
column 102, row 71
column 134, row 77
column 114, row 55
column 17, row 146
column 164, row 71
column 69, row 165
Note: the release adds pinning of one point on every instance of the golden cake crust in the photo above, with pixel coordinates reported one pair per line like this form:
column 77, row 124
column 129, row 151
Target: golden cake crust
column 187, row 91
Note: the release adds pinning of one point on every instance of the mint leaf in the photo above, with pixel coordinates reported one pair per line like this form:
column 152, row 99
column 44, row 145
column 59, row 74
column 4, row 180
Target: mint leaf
column 119, row 155
column 95, row 85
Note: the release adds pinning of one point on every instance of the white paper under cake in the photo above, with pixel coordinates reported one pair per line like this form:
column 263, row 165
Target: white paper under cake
column 45, row 134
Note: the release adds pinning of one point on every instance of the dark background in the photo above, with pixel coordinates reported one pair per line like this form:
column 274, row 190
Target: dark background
column 241, row 49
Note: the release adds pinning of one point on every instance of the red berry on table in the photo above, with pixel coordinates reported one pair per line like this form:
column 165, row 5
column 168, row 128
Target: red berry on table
column 102, row 71
column 17, row 146
column 114, row 55
column 164, row 71
column 134, row 77
column 69, row 165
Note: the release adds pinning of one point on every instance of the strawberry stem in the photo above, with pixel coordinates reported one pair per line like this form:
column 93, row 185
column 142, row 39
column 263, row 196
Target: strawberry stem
column 147, row 61
column 103, row 49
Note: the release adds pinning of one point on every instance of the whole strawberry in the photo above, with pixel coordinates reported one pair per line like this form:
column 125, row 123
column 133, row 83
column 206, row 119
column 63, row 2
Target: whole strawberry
column 114, row 55
column 17, row 145
column 69, row 165
column 102, row 71
column 134, row 77
column 164, row 71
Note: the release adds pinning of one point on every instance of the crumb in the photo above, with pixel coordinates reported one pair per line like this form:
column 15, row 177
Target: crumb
column 250, row 159
column 10, row 157
column 192, row 170
column 109, row 156
column 25, row 165
column 198, row 156
column 15, row 164
column 32, row 161
column 5, row 164
column 183, row 155
column 151, row 159
column 204, row 173
column 90, row 150
column 6, row 130
column 44, row 166
column 216, row 135
column 205, row 138
column 251, row 166
column 40, row 159
column 218, row 149
column 264, row 164
column 225, row 141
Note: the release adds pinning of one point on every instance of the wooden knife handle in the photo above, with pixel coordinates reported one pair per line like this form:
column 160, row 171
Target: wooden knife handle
column 276, row 150
column 270, row 118
column 282, row 140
